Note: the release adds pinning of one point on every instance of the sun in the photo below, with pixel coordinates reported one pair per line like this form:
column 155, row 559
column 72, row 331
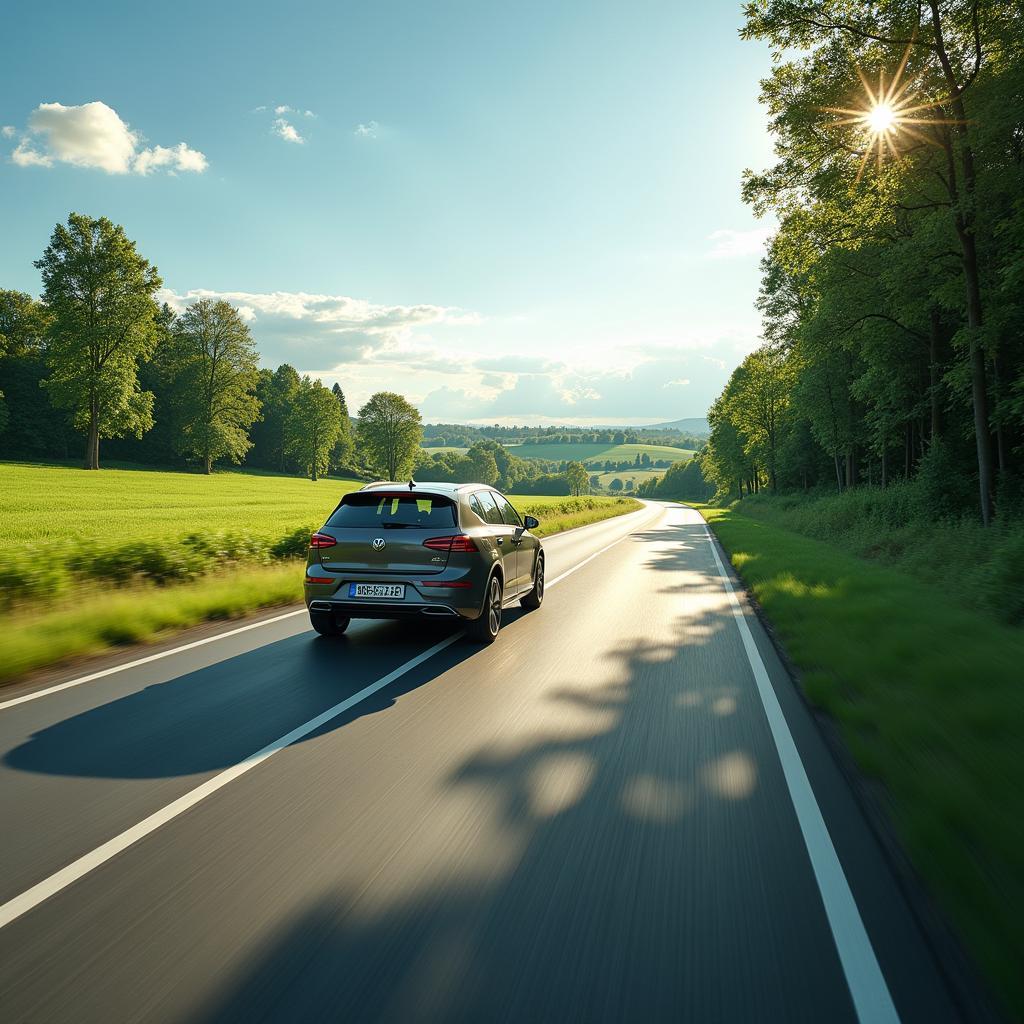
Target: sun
column 881, row 118
column 887, row 116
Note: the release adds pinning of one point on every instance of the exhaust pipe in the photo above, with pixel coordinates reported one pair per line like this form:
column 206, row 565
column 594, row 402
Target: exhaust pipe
column 440, row 610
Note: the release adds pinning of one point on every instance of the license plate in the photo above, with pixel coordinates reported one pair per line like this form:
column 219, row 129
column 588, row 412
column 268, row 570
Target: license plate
column 385, row 591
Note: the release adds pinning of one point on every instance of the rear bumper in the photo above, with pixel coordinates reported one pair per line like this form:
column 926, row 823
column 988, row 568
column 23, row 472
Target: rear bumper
column 383, row 610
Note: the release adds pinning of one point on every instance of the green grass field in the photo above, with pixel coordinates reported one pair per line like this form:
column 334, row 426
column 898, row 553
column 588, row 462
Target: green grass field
column 446, row 448
column 638, row 475
column 927, row 694
column 587, row 453
column 44, row 503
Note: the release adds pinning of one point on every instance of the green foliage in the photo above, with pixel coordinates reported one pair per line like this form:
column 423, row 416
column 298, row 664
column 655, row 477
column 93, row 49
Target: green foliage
column 892, row 287
column 99, row 293
column 389, row 434
column 577, row 478
column 215, row 363
column 312, row 427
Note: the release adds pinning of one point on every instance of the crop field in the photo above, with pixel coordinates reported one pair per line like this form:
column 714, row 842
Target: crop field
column 44, row 503
column 636, row 475
column 446, row 448
column 587, row 453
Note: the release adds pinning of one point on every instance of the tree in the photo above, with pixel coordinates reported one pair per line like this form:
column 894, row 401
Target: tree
column 276, row 392
column 616, row 485
column 577, row 477
column 344, row 446
column 482, row 466
column 99, row 291
column 312, row 427
column 23, row 326
column 958, row 179
column 216, row 382
column 389, row 434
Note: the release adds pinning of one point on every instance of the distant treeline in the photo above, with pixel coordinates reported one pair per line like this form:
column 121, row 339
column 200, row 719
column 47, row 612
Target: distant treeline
column 459, row 435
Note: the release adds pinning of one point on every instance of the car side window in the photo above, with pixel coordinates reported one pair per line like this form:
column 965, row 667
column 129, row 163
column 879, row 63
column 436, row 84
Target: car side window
column 491, row 511
column 478, row 509
column 508, row 514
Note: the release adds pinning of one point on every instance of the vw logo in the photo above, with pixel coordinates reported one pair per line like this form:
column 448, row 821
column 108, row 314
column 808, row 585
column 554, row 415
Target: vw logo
column 379, row 544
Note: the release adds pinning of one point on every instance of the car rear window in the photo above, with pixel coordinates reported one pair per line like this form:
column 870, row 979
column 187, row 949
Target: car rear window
column 369, row 509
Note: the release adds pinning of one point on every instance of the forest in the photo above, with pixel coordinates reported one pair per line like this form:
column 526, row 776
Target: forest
column 892, row 291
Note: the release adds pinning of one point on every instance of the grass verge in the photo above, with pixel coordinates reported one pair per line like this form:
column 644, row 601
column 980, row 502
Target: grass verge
column 91, row 617
column 928, row 696
column 100, row 618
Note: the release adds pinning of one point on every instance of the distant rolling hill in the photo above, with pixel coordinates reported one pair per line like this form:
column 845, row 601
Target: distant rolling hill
column 590, row 453
column 693, row 425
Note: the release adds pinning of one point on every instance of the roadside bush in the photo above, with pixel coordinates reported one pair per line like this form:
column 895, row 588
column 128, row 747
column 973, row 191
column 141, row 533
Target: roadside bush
column 915, row 527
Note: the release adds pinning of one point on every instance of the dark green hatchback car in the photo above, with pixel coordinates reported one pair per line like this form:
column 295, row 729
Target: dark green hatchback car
column 423, row 550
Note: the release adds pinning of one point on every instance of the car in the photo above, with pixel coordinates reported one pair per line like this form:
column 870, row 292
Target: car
column 458, row 552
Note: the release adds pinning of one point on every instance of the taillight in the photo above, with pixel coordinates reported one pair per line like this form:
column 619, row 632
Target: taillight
column 319, row 579
column 322, row 540
column 460, row 542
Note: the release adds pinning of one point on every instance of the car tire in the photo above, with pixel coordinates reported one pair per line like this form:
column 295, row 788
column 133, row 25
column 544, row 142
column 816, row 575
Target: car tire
column 326, row 624
column 532, row 600
column 485, row 627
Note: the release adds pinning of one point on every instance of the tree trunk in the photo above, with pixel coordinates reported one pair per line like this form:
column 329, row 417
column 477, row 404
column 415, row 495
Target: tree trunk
column 933, row 375
column 313, row 474
column 92, row 443
column 908, row 448
column 885, row 468
column 839, row 472
column 209, row 464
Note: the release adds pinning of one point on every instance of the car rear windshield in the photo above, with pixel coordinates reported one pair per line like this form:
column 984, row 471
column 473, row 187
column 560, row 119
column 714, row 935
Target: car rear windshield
column 370, row 509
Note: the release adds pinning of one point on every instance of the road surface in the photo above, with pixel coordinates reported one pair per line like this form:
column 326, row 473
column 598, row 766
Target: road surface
column 619, row 811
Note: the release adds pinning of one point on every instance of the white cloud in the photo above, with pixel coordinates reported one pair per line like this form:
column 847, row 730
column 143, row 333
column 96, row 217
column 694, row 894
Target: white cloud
column 287, row 131
column 282, row 109
column 730, row 244
column 8, row 131
column 317, row 332
column 367, row 131
column 178, row 158
column 93, row 135
column 25, row 156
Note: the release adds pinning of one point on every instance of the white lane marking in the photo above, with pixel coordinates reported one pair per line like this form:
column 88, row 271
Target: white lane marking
column 61, row 879
column 145, row 661
column 871, row 998
column 600, row 551
column 43, row 890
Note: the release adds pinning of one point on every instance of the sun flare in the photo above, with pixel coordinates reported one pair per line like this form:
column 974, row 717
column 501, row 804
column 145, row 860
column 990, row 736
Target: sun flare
column 881, row 118
column 887, row 117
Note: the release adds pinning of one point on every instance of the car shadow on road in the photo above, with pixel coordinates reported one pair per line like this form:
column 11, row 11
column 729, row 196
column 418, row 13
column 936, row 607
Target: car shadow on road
column 212, row 718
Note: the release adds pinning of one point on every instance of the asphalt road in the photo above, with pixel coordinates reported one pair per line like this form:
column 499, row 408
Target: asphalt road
column 619, row 811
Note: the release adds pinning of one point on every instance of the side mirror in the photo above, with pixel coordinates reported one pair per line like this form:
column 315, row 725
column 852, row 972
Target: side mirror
column 531, row 522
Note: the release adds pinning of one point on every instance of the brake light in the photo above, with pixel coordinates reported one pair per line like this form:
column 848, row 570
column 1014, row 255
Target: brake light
column 460, row 542
column 322, row 540
column 319, row 579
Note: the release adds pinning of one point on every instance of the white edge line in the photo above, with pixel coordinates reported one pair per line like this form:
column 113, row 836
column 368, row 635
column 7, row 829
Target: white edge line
column 61, row 879
column 871, row 998
column 24, row 698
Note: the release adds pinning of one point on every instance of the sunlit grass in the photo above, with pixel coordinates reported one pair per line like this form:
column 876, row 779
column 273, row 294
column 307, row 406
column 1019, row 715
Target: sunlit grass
column 928, row 696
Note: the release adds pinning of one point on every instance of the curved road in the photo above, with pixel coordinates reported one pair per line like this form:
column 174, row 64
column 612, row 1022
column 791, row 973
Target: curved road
column 621, row 810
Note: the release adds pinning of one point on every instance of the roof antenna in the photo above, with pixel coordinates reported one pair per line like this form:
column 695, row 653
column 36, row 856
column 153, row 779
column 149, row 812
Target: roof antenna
column 412, row 484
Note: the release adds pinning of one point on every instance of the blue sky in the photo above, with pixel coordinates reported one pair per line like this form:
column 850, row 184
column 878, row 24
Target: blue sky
column 508, row 212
